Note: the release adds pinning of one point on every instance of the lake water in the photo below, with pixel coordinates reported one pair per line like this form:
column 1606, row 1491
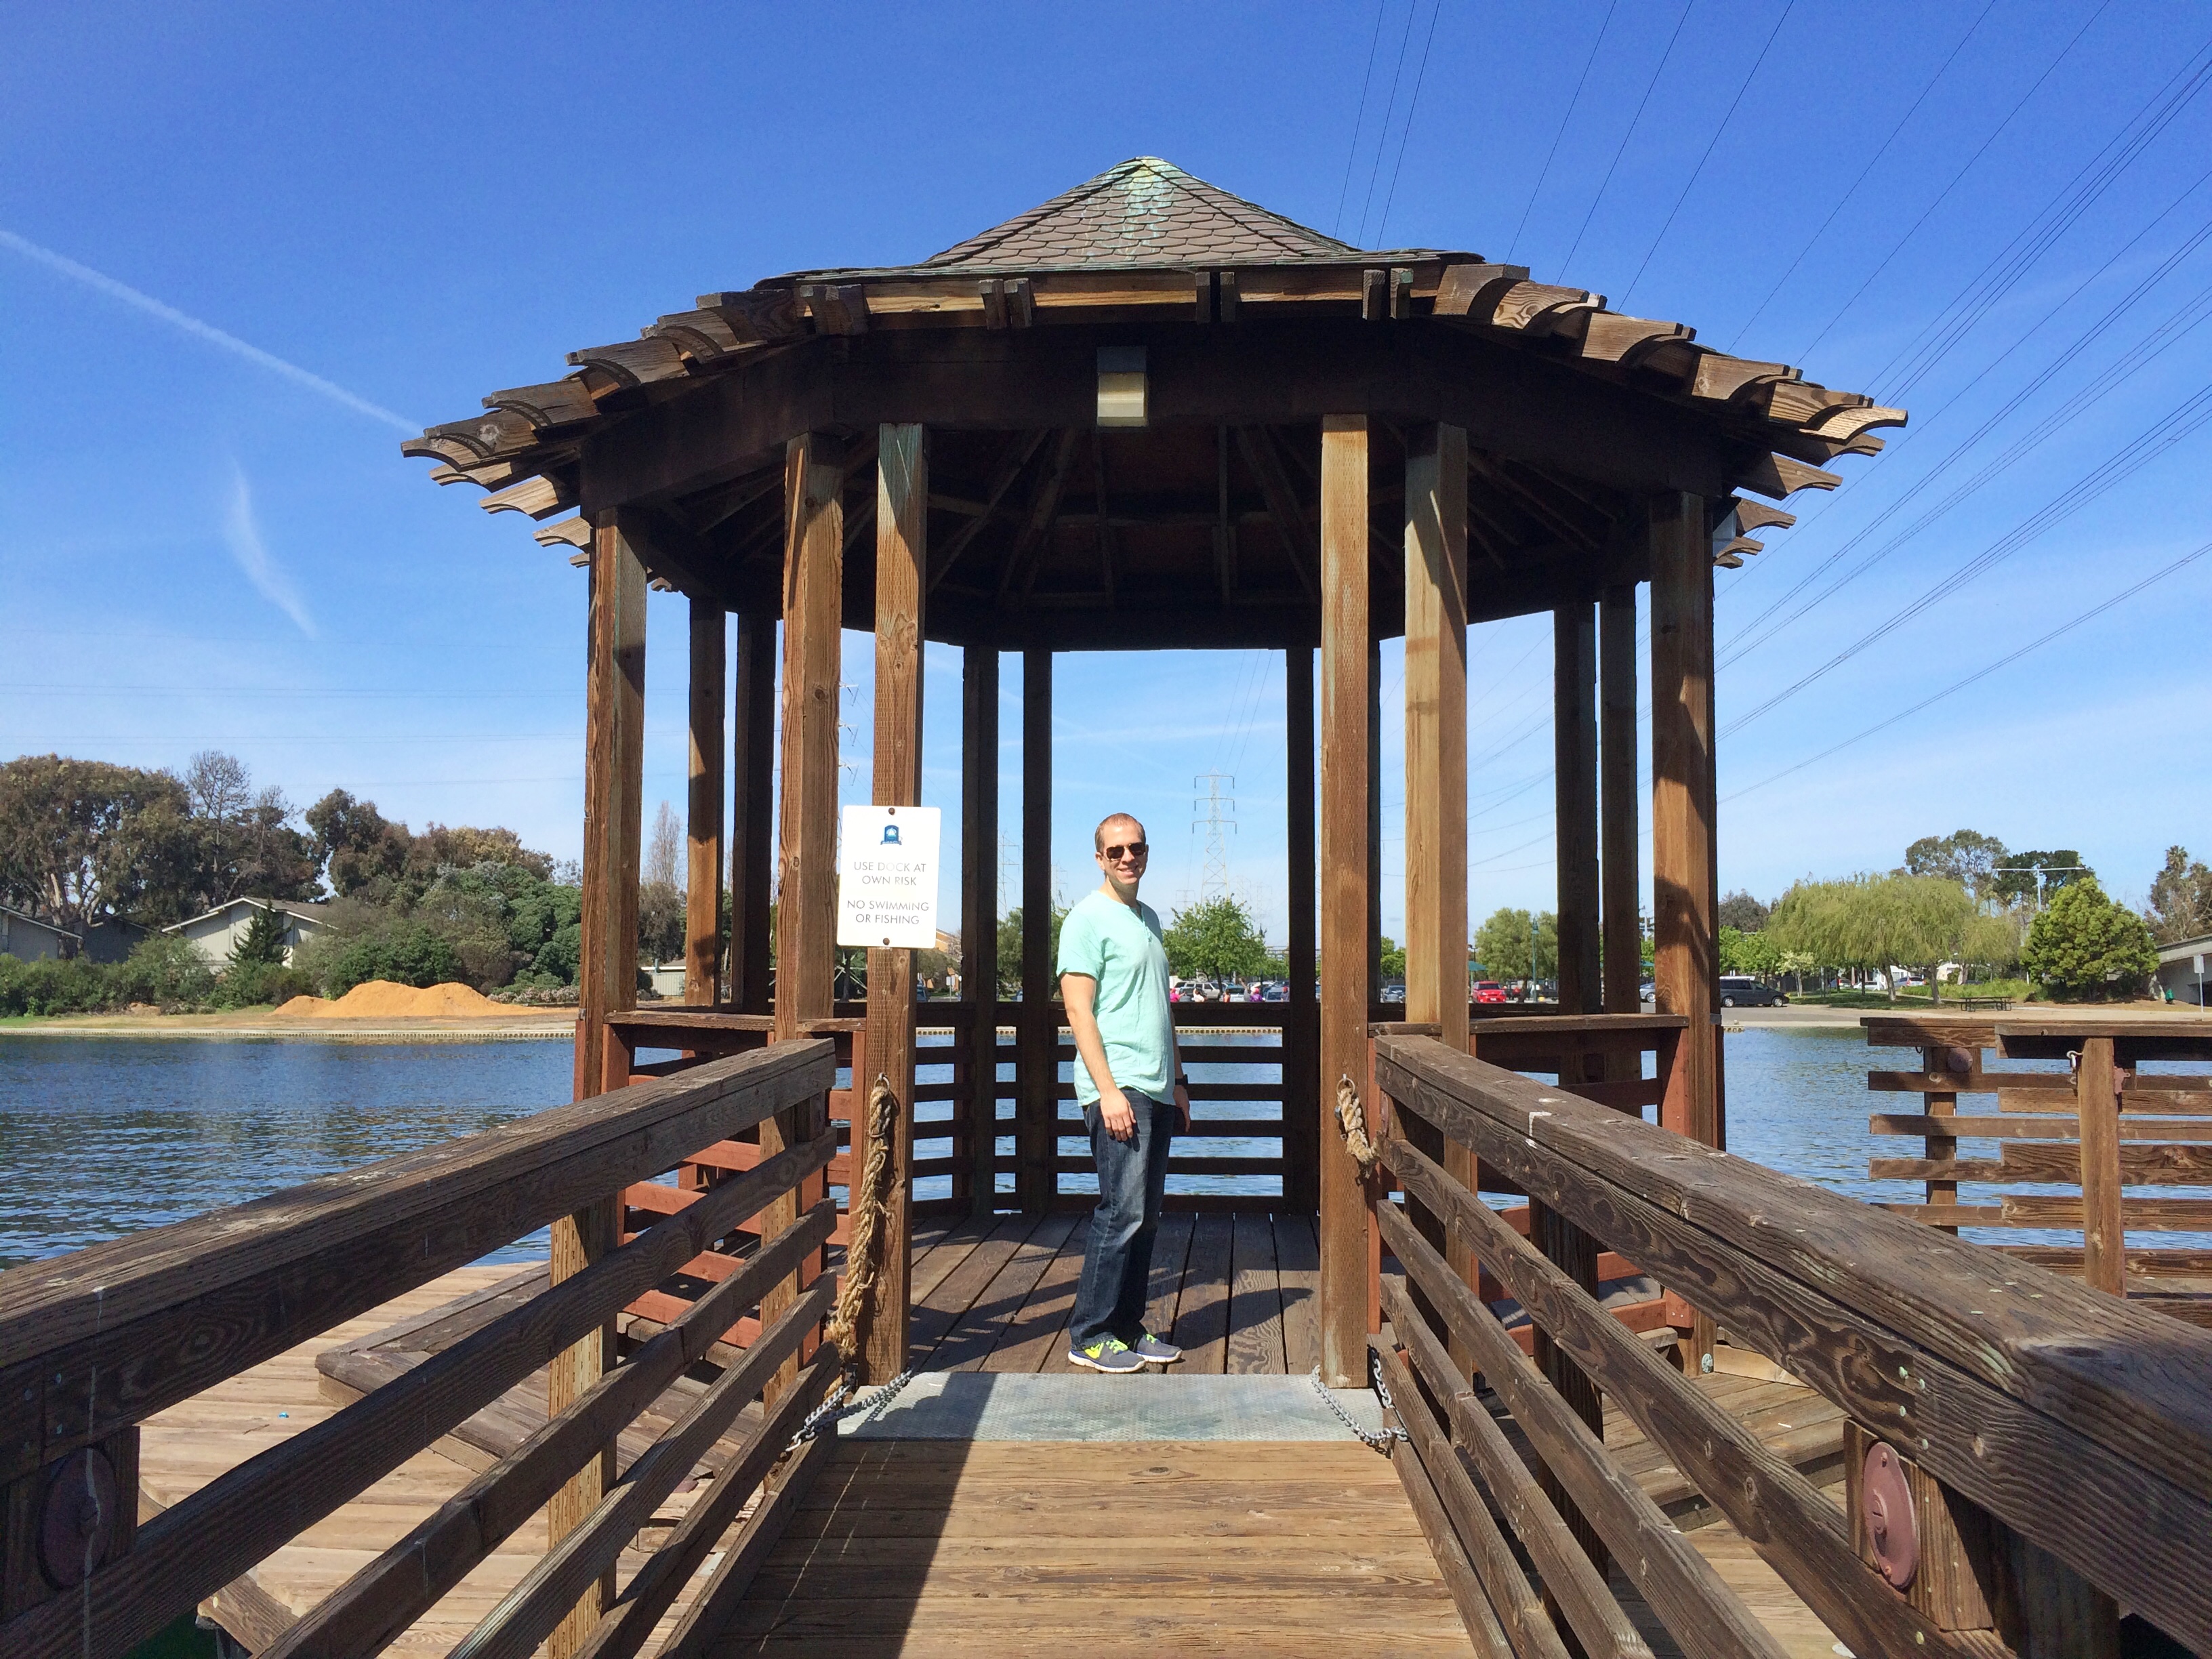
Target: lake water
column 103, row 1136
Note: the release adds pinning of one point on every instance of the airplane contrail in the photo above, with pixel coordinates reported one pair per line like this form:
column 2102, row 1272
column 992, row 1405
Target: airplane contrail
column 207, row 332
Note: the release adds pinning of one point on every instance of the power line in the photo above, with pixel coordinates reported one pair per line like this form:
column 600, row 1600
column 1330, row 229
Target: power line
column 1695, row 172
column 2156, row 344
column 1940, row 196
column 2021, row 255
column 1981, row 673
column 2185, row 418
column 1375, row 173
column 1689, row 6
column 1406, row 132
column 1545, row 172
column 1344, row 191
column 1790, row 270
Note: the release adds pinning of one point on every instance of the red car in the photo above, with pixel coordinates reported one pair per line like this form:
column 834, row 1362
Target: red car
column 1489, row 990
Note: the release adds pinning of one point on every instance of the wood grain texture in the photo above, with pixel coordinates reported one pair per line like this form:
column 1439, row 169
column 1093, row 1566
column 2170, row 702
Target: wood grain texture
column 901, row 561
column 2097, row 1094
column 703, row 874
column 979, row 912
column 1617, row 762
column 1036, row 1073
column 752, row 828
column 1347, row 766
column 1117, row 1548
column 1575, row 795
column 2054, row 1406
column 614, row 762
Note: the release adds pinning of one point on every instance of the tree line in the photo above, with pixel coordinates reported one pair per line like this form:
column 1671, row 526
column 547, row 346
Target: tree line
column 84, row 842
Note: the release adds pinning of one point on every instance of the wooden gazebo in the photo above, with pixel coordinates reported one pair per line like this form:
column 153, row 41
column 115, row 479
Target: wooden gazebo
column 1149, row 414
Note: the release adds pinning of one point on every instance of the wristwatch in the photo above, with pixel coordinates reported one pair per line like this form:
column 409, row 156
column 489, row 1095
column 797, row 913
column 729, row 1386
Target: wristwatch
column 1183, row 1080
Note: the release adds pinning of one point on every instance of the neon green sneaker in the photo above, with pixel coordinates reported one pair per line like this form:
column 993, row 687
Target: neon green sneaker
column 1107, row 1353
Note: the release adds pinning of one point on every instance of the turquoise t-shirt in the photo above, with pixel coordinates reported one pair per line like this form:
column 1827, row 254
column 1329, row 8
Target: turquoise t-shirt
column 1120, row 947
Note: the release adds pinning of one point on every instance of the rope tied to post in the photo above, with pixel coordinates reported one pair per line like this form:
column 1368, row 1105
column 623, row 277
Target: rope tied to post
column 1352, row 1118
column 866, row 1211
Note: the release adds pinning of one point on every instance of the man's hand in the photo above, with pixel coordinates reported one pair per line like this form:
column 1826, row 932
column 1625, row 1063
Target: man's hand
column 1113, row 1111
column 1182, row 1105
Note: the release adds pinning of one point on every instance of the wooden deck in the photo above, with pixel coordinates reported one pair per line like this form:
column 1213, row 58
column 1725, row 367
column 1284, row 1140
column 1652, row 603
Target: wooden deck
column 1235, row 1291
column 920, row 1547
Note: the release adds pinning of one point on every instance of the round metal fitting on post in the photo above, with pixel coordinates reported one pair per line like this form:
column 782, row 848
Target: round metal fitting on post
column 1886, row 1498
column 77, row 1518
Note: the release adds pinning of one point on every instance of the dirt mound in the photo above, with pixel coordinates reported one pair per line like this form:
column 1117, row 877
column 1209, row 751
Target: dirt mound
column 380, row 999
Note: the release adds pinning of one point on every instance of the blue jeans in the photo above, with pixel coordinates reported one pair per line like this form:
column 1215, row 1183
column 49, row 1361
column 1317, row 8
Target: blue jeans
column 1117, row 1264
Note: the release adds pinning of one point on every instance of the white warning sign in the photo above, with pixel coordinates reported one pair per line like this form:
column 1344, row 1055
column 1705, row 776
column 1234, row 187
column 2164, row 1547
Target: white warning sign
column 887, row 878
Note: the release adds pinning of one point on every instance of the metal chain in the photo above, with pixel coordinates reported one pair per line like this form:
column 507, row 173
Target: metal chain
column 834, row 1410
column 1381, row 1442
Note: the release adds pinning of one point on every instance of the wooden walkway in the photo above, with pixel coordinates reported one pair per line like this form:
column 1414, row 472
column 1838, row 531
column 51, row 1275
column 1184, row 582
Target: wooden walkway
column 922, row 1547
column 1235, row 1292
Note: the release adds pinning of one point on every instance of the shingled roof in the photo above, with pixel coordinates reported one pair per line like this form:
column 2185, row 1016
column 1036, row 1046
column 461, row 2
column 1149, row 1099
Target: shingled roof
column 1143, row 214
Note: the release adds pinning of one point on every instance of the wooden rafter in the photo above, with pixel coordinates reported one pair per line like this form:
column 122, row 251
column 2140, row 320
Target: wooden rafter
column 1015, row 457
column 1020, row 570
column 1265, row 462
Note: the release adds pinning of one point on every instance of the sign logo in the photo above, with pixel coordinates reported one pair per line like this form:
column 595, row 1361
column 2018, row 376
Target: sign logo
column 887, row 878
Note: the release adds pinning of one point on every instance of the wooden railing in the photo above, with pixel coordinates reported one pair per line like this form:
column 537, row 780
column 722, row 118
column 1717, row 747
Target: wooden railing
column 2105, row 1128
column 93, row 1344
column 2057, row 1444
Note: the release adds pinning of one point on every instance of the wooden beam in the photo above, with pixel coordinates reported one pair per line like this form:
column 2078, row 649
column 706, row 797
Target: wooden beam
column 752, row 851
column 1265, row 463
column 1302, row 1090
column 901, row 561
column 979, row 911
column 1347, row 763
column 2097, row 1084
column 1435, row 731
column 1038, row 1092
column 702, row 904
column 1574, row 749
column 1685, row 963
column 1617, row 753
column 806, row 830
column 614, row 765
column 1019, row 572
column 1015, row 457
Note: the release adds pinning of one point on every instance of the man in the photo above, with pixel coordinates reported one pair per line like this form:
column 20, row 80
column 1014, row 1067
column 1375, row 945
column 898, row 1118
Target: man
column 1114, row 980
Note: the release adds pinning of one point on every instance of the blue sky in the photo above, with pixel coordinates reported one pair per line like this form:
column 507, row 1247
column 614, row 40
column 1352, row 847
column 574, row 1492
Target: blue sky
column 330, row 226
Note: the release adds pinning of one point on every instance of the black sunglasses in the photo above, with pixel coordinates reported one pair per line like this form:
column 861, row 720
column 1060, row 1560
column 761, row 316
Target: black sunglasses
column 1135, row 849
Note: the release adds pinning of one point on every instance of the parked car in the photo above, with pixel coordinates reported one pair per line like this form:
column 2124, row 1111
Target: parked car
column 1489, row 990
column 1277, row 993
column 1394, row 992
column 1742, row 991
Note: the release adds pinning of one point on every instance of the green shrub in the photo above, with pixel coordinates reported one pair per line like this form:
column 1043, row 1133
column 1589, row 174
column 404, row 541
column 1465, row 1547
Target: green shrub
column 166, row 970
column 251, row 984
column 75, row 987
column 2087, row 945
column 406, row 952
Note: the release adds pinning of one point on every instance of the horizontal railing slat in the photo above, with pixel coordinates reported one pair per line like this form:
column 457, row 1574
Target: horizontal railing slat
column 1800, row 1533
column 1705, row 1616
column 109, row 1336
column 2057, row 1411
column 371, row 1608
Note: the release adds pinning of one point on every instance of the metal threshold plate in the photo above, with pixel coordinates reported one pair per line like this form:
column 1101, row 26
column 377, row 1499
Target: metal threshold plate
column 1146, row 1406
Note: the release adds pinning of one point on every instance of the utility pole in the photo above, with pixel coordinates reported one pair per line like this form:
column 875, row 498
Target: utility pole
column 1219, row 812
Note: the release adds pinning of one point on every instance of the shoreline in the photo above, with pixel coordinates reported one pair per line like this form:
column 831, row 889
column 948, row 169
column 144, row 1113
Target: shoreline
column 521, row 1026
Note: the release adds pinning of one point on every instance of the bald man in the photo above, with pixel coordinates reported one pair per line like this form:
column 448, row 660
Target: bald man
column 1113, row 979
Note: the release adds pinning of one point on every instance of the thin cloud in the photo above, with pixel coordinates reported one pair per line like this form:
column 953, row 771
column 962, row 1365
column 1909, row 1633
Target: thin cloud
column 241, row 532
column 230, row 343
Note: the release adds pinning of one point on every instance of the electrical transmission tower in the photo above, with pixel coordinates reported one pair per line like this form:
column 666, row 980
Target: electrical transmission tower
column 1219, row 812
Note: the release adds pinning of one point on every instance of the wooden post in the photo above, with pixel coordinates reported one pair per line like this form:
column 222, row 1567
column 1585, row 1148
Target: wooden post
column 1301, row 1055
column 979, row 911
column 1574, row 747
column 1436, row 737
column 1685, row 965
column 1623, row 927
column 753, row 849
column 2097, row 1081
column 1347, row 695
column 614, row 765
column 806, row 831
column 1037, row 1105
column 702, row 902
column 902, row 567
